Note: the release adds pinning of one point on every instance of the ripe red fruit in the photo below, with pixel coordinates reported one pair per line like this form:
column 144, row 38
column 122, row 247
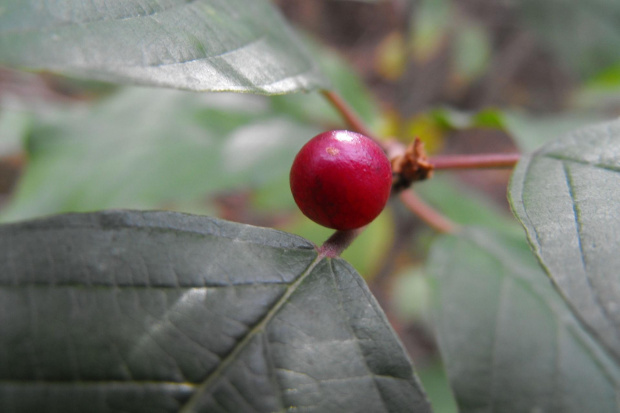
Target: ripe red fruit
column 341, row 179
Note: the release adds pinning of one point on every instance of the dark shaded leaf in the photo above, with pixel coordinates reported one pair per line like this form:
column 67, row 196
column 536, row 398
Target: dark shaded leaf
column 509, row 341
column 567, row 197
column 165, row 312
column 203, row 45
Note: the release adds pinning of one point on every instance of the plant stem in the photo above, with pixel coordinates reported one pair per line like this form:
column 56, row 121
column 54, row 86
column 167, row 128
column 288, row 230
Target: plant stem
column 427, row 213
column 338, row 242
column 478, row 161
column 353, row 121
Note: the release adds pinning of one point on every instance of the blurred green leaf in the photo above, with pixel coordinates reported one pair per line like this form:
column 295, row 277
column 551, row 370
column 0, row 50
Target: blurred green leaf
column 411, row 295
column 488, row 118
column 602, row 92
column 567, row 196
column 437, row 387
column 429, row 26
column 607, row 78
column 13, row 127
column 531, row 132
column 314, row 107
column 166, row 312
column 145, row 148
column 509, row 341
column 451, row 118
column 585, row 35
column 465, row 205
column 472, row 51
column 202, row 45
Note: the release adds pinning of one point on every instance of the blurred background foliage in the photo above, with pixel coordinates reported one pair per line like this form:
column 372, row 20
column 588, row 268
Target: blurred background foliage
column 466, row 76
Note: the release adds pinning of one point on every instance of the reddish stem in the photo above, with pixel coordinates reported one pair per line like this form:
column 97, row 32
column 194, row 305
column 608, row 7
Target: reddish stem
column 353, row 121
column 478, row 161
column 338, row 242
column 427, row 213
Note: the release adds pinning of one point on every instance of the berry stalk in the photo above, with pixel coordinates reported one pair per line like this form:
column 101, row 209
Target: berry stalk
column 347, row 113
column 338, row 242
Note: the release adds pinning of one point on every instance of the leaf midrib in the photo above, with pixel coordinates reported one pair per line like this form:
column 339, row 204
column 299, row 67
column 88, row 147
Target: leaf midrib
column 259, row 327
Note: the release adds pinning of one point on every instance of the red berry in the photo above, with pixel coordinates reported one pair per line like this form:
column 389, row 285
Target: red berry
column 341, row 179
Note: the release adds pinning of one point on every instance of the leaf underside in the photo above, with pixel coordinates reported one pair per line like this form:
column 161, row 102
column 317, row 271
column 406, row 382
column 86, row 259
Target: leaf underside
column 201, row 45
column 177, row 148
column 164, row 312
column 567, row 196
column 508, row 340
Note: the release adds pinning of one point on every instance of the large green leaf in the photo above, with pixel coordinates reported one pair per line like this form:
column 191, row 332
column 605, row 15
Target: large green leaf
column 205, row 45
column 567, row 197
column 160, row 311
column 509, row 341
column 149, row 148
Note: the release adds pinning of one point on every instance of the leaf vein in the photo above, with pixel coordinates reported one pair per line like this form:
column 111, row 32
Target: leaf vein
column 259, row 327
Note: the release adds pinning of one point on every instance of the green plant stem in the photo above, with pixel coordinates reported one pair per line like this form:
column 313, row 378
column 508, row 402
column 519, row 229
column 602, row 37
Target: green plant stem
column 478, row 161
column 426, row 213
column 353, row 121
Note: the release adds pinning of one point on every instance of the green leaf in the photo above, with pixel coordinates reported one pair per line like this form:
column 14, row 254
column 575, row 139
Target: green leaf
column 584, row 35
column 465, row 205
column 144, row 148
column 567, row 196
column 472, row 51
column 160, row 311
column 430, row 26
column 201, row 45
column 13, row 125
column 433, row 377
column 451, row 118
column 531, row 132
column 509, row 341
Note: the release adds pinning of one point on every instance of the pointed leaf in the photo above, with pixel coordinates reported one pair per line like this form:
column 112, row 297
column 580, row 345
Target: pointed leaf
column 509, row 341
column 203, row 45
column 143, row 312
column 567, row 197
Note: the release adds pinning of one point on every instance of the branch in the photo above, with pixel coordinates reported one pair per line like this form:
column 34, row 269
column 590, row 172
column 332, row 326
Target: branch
column 478, row 161
column 427, row 213
column 353, row 121
column 409, row 164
